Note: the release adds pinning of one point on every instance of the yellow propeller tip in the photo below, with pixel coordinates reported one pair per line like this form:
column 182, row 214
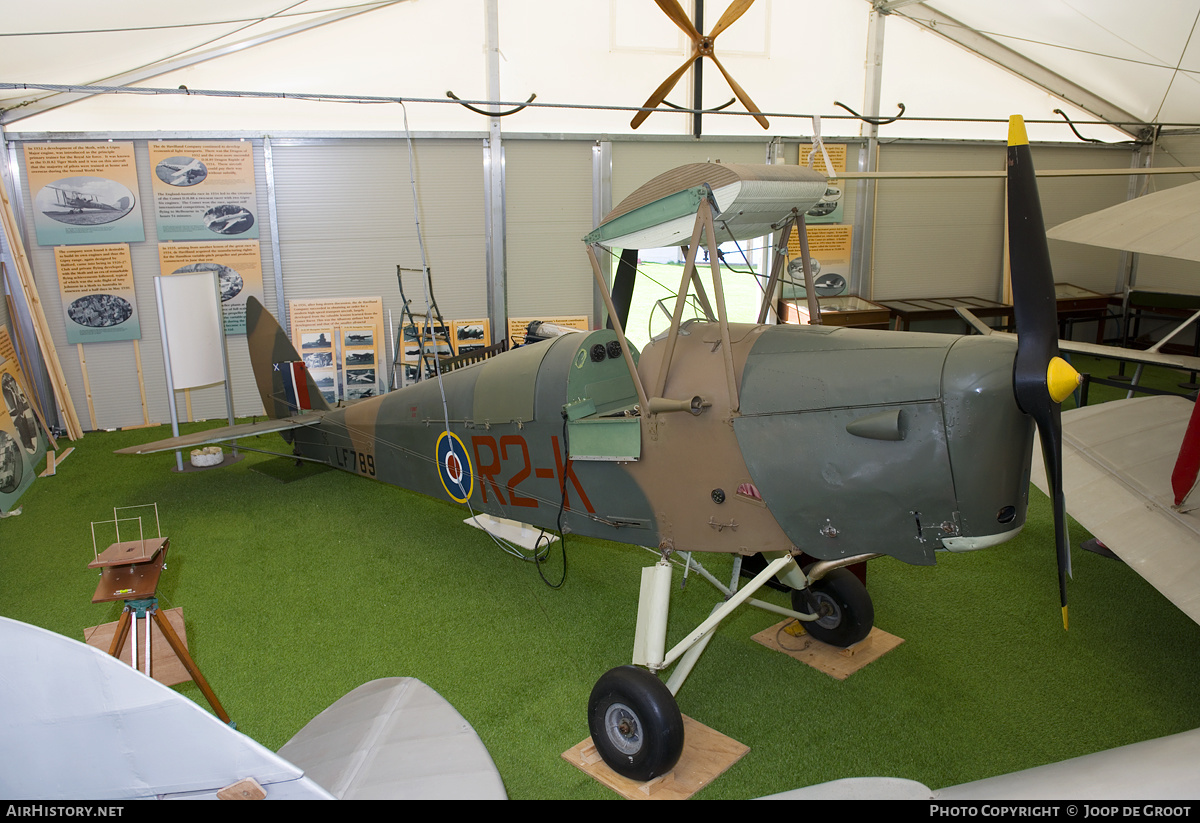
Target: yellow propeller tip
column 1064, row 618
column 1061, row 379
column 1016, row 131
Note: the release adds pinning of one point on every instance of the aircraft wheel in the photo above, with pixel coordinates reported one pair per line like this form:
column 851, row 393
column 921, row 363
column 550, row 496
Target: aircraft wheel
column 846, row 610
column 635, row 723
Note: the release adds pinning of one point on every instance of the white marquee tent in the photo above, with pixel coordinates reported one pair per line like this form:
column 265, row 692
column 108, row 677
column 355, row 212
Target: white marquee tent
column 940, row 58
column 316, row 87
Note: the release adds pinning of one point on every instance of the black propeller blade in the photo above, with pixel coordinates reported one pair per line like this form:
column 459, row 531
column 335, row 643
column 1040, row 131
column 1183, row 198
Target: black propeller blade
column 1041, row 379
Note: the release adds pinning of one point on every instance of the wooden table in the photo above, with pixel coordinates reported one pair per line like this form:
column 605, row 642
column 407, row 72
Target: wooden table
column 839, row 310
column 1162, row 303
column 1073, row 303
column 942, row 308
column 1078, row 303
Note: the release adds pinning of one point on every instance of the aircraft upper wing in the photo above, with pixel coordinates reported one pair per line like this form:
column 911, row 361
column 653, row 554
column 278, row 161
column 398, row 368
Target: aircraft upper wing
column 1117, row 462
column 1163, row 223
column 221, row 435
column 750, row 201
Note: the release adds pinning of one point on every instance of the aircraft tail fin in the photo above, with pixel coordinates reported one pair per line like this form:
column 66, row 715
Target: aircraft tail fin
column 284, row 382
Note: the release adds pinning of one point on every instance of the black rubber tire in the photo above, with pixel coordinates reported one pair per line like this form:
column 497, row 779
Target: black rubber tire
column 842, row 599
column 635, row 723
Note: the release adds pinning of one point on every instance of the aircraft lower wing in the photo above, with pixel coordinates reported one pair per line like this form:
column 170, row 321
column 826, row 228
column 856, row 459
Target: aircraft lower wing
column 80, row 724
column 1144, row 357
column 225, row 434
column 1117, row 462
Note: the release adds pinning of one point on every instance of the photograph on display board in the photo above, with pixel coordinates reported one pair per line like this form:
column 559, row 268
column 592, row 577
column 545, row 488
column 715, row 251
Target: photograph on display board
column 204, row 190
column 238, row 267
column 435, row 340
column 471, row 334
column 22, row 443
column 317, row 340
column 96, row 283
column 360, row 383
column 338, row 338
column 829, row 258
column 84, row 193
column 360, row 337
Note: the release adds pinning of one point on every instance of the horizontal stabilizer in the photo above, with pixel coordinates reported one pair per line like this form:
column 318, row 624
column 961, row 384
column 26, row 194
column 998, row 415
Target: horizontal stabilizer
column 226, row 433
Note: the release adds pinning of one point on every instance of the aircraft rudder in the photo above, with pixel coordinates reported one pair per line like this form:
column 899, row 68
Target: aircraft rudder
column 284, row 382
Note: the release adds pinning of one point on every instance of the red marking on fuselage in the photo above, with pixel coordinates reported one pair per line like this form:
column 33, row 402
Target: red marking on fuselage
column 506, row 451
column 517, row 441
column 569, row 472
column 487, row 471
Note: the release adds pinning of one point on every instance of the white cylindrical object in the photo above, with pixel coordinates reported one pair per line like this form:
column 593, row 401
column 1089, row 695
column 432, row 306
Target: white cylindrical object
column 656, row 619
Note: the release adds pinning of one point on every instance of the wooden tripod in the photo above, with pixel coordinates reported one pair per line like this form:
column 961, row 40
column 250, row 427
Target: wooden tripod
column 130, row 572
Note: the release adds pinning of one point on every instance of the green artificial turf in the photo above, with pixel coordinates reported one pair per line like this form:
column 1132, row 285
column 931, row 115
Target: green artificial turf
column 294, row 593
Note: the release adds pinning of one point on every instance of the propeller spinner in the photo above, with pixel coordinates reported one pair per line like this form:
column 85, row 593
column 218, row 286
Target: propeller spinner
column 701, row 47
column 1041, row 379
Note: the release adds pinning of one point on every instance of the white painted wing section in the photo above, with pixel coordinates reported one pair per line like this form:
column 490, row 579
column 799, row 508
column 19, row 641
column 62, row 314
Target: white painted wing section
column 395, row 738
column 751, row 201
column 1117, row 463
column 1167, row 768
column 79, row 724
column 1163, row 223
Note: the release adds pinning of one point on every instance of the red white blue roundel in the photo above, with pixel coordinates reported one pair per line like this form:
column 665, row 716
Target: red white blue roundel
column 454, row 467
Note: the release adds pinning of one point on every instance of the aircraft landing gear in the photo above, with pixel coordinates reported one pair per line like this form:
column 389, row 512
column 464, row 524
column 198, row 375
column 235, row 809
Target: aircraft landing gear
column 845, row 608
column 635, row 723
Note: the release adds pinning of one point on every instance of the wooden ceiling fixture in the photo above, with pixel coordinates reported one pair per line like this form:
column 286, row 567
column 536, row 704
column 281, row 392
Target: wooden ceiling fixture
column 702, row 46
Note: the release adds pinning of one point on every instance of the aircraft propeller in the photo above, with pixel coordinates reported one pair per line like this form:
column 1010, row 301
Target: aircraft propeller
column 701, row 47
column 1041, row 379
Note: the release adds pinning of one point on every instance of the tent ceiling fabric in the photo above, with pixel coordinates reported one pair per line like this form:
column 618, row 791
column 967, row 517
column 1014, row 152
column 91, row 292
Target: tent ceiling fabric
column 790, row 57
column 1163, row 223
column 1144, row 58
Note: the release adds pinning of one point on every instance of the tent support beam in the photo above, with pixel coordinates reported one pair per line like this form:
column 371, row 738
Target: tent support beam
column 59, row 99
column 945, row 26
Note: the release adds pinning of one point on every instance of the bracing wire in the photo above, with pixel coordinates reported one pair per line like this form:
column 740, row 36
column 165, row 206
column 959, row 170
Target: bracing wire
column 539, row 550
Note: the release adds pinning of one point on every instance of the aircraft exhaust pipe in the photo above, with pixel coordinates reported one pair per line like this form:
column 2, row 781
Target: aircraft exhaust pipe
column 662, row 405
column 823, row 567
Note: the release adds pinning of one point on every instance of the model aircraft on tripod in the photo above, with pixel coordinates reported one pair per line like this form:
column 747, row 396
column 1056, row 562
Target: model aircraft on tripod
column 840, row 443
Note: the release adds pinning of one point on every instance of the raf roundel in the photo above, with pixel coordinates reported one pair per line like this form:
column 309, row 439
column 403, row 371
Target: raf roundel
column 454, row 467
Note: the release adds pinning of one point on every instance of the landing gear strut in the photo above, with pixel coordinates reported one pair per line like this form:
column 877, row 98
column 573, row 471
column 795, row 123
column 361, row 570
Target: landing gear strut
column 635, row 722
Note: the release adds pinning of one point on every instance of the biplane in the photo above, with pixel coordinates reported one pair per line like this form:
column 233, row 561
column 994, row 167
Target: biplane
column 842, row 444
column 78, row 201
column 184, row 174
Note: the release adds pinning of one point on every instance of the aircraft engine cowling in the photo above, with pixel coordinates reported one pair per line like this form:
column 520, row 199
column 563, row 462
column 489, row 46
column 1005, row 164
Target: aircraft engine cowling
column 990, row 440
column 863, row 441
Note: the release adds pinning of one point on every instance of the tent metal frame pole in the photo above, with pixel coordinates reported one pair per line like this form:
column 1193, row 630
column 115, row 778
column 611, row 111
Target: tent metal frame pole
column 494, row 216
column 862, row 249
